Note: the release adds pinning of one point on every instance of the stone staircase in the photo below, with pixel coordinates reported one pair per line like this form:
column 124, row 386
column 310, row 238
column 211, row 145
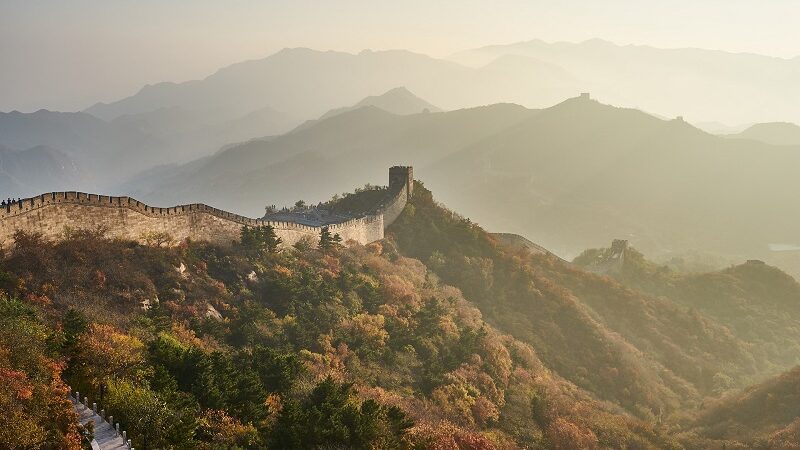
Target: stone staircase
column 106, row 436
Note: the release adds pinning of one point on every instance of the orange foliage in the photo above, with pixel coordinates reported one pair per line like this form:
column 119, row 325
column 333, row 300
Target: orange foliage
column 16, row 383
column 110, row 352
column 447, row 436
column 565, row 435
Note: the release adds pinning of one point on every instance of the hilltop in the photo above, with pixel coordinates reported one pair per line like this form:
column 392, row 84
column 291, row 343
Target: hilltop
column 777, row 133
column 517, row 242
column 399, row 101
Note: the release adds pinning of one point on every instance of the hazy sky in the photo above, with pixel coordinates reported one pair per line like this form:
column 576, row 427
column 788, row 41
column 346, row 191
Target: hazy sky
column 66, row 55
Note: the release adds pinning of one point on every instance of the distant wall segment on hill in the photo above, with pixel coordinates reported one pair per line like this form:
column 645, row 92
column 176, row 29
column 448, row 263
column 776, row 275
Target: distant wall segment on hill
column 126, row 218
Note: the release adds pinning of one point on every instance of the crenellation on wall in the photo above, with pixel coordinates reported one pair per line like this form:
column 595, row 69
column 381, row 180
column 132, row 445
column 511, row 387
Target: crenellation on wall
column 127, row 218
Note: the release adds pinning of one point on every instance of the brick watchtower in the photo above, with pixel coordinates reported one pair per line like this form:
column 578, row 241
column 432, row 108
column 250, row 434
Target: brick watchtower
column 402, row 175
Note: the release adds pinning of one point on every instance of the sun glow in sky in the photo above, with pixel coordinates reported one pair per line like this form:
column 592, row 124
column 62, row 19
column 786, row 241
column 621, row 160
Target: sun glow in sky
column 68, row 55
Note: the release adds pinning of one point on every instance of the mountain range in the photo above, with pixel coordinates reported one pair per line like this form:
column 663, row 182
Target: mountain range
column 307, row 83
column 40, row 166
column 776, row 133
column 570, row 176
column 111, row 152
column 702, row 85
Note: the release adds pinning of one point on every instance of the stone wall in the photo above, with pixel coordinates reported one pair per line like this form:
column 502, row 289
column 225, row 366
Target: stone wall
column 123, row 217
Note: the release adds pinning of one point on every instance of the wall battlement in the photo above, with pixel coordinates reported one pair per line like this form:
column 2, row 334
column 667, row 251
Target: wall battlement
column 128, row 218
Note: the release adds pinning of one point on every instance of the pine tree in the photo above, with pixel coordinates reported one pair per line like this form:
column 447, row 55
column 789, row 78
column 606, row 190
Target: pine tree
column 259, row 240
column 247, row 238
column 74, row 325
column 325, row 239
column 271, row 240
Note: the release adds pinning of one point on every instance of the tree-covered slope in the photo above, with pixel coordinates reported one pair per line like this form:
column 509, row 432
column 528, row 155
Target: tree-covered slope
column 758, row 303
column 439, row 336
column 649, row 354
column 765, row 416
column 205, row 347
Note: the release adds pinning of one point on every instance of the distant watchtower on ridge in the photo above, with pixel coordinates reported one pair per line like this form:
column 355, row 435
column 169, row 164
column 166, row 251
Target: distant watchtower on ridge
column 400, row 176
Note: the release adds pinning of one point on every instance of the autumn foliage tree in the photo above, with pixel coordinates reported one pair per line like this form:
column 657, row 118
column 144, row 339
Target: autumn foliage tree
column 33, row 398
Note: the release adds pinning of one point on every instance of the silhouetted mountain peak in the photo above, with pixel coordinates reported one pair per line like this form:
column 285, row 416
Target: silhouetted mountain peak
column 775, row 133
column 399, row 101
column 583, row 105
column 597, row 42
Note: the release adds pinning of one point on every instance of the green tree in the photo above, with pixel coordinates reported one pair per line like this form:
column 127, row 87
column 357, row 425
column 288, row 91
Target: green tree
column 74, row 325
column 326, row 241
column 271, row 239
column 333, row 416
column 153, row 421
column 277, row 370
column 260, row 239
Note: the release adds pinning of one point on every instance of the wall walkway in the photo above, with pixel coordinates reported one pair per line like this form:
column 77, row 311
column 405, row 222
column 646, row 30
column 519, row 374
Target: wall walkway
column 127, row 218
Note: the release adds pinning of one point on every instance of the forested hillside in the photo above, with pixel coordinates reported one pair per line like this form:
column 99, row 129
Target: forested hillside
column 439, row 336
column 758, row 303
column 648, row 354
column 205, row 347
column 764, row 416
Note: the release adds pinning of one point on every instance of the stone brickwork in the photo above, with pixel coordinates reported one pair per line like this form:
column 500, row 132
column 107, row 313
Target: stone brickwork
column 124, row 217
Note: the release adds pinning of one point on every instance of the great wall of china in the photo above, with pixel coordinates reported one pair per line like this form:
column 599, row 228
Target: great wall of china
column 126, row 218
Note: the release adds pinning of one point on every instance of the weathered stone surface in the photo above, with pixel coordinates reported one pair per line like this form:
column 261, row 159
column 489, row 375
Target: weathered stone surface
column 123, row 217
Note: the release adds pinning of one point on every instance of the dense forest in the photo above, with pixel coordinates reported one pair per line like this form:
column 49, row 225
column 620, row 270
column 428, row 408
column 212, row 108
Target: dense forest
column 436, row 337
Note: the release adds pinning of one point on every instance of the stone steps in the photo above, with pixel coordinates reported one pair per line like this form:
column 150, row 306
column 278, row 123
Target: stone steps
column 105, row 436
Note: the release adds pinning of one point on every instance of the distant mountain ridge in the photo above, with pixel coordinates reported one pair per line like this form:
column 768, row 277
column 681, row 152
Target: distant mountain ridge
column 168, row 123
column 776, row 133
column 565, row 175
column 307, row 83
column 104, row 152
column 109, row 153
column 398, row 101
column 290, row 80
column 319, row 157
column 700, row 84
column 41, row 167
column 703, row 85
